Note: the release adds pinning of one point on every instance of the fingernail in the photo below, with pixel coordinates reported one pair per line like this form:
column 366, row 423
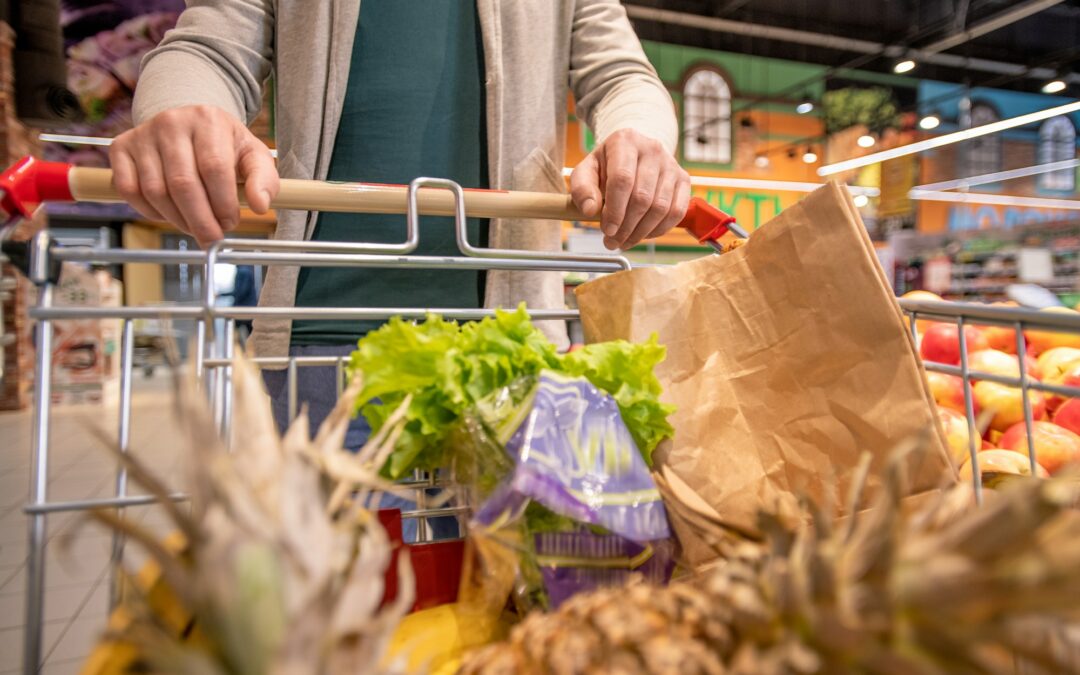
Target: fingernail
column 611, row 229
column 589, row 207
column 266, row 198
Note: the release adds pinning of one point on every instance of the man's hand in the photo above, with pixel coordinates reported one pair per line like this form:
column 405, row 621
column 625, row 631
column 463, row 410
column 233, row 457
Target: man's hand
column 183, row 165
column 641, row 189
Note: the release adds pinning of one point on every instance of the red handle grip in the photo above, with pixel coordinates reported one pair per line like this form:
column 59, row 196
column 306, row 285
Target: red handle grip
column 29, row 182
column 705, row 221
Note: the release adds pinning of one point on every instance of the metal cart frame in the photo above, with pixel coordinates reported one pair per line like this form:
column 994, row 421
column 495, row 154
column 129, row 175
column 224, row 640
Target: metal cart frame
column 211, row 357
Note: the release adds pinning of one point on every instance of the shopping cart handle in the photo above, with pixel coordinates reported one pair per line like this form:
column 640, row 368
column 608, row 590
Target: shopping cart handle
column 31, row 182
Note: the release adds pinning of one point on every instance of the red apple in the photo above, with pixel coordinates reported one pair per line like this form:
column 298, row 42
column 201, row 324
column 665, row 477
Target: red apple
column 1007, row 404
column 1054, row 363
column 1040, row 341
column 997, row 466
column 941, row 343
column 1060, row 365
column 1068, row 415
column 947, row 390
column 956, row 434
column 1055, row 446
column 994, row 362
column 1070, row 379
column 1001, row 338
column 1032, row 366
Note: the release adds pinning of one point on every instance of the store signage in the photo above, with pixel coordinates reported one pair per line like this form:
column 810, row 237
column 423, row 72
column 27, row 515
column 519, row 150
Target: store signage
column 897, row 179
column 963, row 217
column 752, row 209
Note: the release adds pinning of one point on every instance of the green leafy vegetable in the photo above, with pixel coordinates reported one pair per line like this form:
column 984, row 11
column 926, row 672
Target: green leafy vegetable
column 625, row 370
column 448, row 368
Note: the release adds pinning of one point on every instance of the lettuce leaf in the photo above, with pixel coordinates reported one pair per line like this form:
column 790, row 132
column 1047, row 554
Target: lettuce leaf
column 449, row 367
column 625, row 370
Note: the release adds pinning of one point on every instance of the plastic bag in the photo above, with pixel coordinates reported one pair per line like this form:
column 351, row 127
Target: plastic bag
column 553, row 459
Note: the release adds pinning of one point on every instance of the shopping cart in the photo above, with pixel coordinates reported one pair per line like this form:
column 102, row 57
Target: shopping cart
column 29, row 183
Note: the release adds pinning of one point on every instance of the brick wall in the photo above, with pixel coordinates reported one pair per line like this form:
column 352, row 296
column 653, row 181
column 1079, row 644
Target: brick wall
column 16, row 140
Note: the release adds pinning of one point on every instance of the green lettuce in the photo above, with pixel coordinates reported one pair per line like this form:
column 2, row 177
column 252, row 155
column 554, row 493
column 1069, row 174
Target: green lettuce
column 448, row 368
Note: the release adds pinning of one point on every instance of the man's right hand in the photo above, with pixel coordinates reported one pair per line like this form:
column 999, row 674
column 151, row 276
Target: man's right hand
column 183, row 166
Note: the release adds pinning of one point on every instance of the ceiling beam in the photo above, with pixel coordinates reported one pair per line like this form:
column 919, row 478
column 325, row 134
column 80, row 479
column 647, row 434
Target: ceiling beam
column 839, row 43
column 1010, row 16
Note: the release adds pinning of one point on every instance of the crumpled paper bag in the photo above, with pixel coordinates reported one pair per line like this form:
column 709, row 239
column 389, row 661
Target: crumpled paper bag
column 787, row 358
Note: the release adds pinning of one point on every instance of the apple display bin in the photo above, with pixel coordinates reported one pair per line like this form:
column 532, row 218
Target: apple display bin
column 30, row 183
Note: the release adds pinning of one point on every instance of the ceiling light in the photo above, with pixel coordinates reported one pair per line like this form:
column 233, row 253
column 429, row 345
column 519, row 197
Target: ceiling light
column 929, row 122
column 866, row 141
column 809, row 156
column 1054, row 86
column 806, row 106
column 761, row 161
column 861, row 201
column 904, row 65
column 949, row 139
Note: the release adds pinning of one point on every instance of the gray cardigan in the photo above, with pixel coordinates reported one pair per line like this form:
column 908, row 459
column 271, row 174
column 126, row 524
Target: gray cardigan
column 535, row 52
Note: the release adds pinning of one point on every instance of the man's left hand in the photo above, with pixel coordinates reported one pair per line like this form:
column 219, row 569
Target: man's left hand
column 636, row 186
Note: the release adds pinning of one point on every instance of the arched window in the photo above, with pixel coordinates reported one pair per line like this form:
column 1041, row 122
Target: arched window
column 707, row 118
column 1057, row 143
column 983, row 154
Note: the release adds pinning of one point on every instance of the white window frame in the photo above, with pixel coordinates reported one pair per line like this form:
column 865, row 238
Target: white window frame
column 707, row 118
column 983, row 154
column 1057, row 143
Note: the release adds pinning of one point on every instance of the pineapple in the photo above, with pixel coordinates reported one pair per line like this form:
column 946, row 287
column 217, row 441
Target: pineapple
column 281, row 567
column 945, row 588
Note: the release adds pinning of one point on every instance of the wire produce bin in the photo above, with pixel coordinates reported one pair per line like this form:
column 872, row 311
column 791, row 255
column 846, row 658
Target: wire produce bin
column 1016, row 319
column 215, row 331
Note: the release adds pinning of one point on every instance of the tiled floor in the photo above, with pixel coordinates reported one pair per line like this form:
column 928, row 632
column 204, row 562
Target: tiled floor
column 77, row 572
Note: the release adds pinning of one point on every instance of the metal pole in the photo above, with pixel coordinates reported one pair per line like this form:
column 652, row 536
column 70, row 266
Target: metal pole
column 39, row 471
column 969, row 412
column 226, row 381
column 1025, row 388
column 293, row 392
column 200, row 349
column 127, row 341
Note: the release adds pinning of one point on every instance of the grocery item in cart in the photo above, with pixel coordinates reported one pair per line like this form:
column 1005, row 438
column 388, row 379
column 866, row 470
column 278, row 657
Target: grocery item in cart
column 787, row 358
column 945, row 587
column 444, row 369
column 572, row 455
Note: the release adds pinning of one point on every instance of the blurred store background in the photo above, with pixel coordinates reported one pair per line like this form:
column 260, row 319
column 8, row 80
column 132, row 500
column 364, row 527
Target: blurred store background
column 772, row 95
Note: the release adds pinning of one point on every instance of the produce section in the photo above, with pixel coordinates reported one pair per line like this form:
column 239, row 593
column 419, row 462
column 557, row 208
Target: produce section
column 1009, row 417
column 824, row 421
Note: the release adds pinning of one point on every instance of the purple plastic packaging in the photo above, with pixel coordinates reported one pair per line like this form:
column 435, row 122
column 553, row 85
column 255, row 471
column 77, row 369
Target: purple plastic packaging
column 574, row 455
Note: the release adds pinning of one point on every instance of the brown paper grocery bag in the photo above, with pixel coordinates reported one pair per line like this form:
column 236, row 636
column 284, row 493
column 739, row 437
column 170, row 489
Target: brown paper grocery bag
column 787, row 358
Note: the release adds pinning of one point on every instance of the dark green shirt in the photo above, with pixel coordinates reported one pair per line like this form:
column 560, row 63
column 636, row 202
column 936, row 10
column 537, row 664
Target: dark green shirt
column 414, row 107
